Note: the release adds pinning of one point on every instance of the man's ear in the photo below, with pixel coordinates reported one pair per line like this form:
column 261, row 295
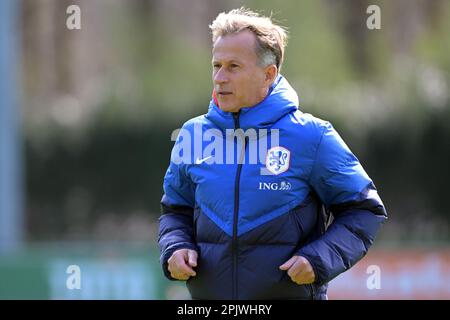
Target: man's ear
column 271, row 72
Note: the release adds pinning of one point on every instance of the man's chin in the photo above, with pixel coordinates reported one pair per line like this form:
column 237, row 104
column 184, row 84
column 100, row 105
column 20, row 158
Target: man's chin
column 228, row 108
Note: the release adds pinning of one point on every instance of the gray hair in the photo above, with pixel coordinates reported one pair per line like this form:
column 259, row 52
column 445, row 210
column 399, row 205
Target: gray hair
column 271, row 39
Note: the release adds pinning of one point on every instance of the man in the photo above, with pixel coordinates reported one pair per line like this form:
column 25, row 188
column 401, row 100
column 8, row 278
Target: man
column 242, row 230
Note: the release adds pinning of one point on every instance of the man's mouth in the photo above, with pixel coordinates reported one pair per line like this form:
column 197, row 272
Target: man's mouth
column 224, row 93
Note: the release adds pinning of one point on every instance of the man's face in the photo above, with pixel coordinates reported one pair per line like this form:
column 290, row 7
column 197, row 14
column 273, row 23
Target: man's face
column 238, row 80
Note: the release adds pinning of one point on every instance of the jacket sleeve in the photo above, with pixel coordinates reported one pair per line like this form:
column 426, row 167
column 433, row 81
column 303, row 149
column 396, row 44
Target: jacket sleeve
column 176, row 220
column 347, row 191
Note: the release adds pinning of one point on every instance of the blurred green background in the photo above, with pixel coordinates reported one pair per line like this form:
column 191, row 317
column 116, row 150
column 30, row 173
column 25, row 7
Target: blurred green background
column 86, row 119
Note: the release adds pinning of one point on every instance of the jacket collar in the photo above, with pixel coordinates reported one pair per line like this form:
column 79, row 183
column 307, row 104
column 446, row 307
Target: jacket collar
column 280, row 100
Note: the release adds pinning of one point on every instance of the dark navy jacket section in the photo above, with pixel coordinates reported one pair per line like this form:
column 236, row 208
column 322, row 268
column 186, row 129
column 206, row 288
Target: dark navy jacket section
column 244, row 230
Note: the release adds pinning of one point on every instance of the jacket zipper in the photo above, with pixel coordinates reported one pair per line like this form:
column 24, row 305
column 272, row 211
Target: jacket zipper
column 313, row 293
column 234, row 245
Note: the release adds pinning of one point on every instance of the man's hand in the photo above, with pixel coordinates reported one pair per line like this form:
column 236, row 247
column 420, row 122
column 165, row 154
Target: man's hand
column 181, row 262
column 299, row 269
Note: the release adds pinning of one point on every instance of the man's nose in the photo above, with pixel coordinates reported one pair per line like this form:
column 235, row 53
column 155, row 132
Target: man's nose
column 220, row 76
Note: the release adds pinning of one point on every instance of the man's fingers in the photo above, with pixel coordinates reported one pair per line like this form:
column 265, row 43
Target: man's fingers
column 304, row 277
column 175, row 271
column 192, row 258
column 186, row 269
column 288, row 264
column 178, row 265
column 300, row 276
column 301, row 271
column 296, row 268
column 179, row 276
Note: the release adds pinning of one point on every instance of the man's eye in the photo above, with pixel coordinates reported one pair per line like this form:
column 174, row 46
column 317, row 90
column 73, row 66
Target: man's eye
column 216, row 66
column 234, row 66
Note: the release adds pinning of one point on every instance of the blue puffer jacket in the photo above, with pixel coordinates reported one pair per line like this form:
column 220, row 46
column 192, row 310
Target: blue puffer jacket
column 245, row 219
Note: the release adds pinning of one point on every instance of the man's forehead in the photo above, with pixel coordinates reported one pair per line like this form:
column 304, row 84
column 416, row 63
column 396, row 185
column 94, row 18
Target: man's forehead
column 234, row 46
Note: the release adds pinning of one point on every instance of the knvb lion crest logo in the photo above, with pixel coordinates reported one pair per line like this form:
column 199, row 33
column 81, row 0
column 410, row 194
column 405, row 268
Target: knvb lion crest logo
column 277, row 160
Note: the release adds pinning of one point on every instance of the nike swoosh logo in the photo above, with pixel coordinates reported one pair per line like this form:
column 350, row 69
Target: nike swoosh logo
column 200, row 161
